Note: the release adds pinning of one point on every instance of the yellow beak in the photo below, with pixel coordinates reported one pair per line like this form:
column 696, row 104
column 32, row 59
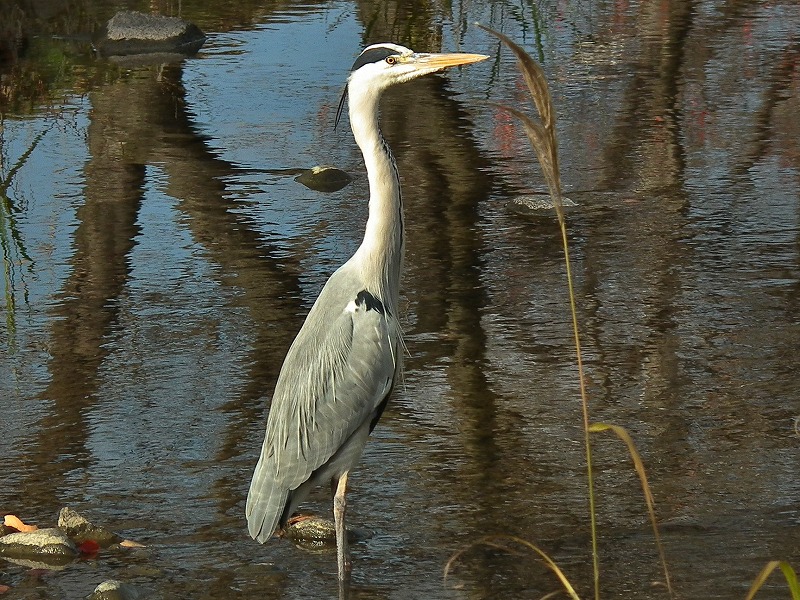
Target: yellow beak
column 443, row 61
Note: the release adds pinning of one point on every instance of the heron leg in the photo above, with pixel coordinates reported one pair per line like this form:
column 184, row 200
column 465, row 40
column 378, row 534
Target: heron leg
column 342, row 550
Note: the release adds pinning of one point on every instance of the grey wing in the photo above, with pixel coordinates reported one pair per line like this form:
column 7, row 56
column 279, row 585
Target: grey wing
column 337, row 373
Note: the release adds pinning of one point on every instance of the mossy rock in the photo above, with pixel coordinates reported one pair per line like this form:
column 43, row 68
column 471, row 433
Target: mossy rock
column 49, row 542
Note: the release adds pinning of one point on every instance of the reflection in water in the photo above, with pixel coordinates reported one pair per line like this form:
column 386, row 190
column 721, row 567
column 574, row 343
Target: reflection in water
column 99, row 271
column 154, row 326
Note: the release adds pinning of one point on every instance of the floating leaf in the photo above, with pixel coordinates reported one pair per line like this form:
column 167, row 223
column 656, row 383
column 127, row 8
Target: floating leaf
column 15, row 522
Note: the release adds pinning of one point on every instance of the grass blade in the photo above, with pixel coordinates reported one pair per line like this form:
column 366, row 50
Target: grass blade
column 492, row 541
column 788, row 573
column 638, row 464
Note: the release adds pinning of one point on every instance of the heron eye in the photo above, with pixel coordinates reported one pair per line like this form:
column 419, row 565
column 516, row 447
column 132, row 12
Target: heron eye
column 391, row 60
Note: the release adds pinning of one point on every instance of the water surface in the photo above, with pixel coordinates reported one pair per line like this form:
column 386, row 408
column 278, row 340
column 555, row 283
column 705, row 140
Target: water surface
column 158, row 261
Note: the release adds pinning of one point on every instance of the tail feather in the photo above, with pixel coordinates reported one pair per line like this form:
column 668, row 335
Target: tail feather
column 266, row 504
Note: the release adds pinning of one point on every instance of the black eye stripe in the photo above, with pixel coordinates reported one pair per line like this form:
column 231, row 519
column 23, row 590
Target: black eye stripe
column 373, row 55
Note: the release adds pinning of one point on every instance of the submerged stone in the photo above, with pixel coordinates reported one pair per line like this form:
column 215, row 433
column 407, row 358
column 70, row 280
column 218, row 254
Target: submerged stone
column 538, row 202
column 43, row 563
column 50, row 542
column 132, row 32
column 114, row 590
column 312, row 532
column 324, row 178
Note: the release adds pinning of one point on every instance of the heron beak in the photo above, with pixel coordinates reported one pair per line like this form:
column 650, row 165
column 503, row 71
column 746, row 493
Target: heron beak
column 443, row 61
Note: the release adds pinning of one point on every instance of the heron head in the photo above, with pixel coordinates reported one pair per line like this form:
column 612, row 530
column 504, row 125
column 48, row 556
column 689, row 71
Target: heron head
column 383, row 65
column 380, row 66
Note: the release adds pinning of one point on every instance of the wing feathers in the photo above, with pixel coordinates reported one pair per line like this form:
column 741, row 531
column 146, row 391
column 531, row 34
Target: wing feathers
column 337, row 373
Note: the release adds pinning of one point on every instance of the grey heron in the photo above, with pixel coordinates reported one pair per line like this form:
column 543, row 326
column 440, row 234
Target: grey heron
column 339, row 371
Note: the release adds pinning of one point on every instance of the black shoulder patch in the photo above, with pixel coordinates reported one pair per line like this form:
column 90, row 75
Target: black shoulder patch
column 372, row 55
column 364, row 298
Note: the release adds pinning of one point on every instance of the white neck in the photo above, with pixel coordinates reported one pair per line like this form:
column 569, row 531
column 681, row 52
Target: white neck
column 380, row 255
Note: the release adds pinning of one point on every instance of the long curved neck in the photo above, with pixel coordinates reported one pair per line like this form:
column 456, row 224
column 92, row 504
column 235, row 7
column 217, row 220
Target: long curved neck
column 381, row 253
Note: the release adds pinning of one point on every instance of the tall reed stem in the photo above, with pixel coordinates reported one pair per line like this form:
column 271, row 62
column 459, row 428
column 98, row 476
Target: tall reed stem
column 542, row 136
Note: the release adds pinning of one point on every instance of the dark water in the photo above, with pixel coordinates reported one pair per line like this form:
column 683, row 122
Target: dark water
column 157, row 264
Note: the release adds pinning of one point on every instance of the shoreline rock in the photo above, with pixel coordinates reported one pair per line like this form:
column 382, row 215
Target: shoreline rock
column 133, row 33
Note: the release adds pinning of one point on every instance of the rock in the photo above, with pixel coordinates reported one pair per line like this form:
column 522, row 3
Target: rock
column 114, row 590
column 131, row 32
column 81, row 529
column 45, row 563
column 324, row 178
column 538, row 202
column 50, row 542
column 309, row 531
